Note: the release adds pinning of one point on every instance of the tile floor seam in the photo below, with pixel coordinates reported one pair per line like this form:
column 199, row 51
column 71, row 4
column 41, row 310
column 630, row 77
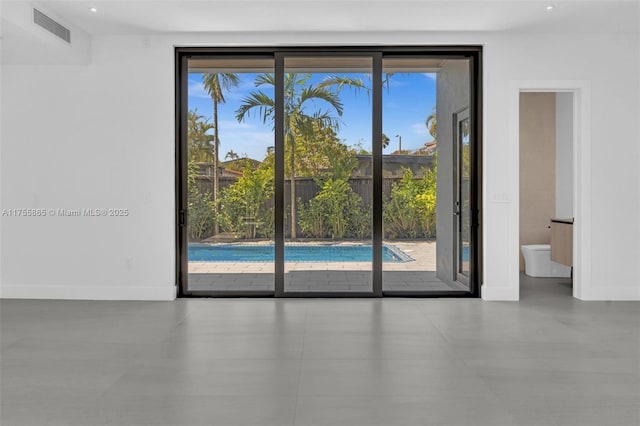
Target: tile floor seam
column 440, row 332
column 304, row 333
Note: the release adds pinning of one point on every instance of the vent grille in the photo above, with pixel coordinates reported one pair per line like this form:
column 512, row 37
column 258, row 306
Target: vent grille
column 52, row 26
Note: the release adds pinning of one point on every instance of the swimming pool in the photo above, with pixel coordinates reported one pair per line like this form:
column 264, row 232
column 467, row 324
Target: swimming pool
column 292, row 253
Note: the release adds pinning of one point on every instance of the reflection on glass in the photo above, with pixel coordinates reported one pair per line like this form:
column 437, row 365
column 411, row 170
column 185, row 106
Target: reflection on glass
column 230, row 217
column 328, row 184
column 464, row 200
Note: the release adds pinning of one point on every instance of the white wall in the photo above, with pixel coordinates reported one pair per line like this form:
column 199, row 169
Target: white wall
column 614, row 141
column 102, row 135
column 96, row 136
column 564, row 155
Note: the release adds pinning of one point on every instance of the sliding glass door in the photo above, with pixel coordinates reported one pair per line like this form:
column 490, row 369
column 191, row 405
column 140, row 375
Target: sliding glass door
column 328, row 182
column 230, row 176
column 328, row 171
column 426, row 170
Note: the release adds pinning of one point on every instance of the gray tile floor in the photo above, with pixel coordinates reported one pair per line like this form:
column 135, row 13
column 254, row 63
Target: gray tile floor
column 547, row 360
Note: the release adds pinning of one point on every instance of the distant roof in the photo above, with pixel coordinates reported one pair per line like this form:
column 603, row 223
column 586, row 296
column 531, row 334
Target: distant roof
column 240, row 161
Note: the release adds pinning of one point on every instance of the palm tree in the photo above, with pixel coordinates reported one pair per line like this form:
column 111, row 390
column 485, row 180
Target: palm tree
column 231, row 154
column 216, row 84
column 385, row 140
column 199, row 140
column 298, row 94
column 430, row 122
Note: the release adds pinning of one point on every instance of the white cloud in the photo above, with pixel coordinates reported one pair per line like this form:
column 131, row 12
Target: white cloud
column 233, row 125
column 431, row 75
column 243, row 89
column 235, row 95
column 196, row 89
column 419, row 129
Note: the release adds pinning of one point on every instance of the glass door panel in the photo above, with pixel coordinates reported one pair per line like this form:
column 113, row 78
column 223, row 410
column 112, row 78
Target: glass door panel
column 419, row 100
column 230, row 213
column 328, row 174
column 463, row 213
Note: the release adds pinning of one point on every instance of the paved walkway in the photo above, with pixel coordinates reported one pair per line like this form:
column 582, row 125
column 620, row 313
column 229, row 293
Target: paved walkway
column 416, row 275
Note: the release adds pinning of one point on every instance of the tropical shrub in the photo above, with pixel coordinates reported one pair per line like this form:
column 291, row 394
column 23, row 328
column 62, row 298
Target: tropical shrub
column 425, row 202
column 410, row 211
column 335, row 212
column 245, row 208
column 201, row 209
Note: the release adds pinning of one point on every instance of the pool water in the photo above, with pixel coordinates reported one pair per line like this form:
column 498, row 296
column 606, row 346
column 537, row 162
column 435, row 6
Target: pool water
column 292, row 253
column 465, row 253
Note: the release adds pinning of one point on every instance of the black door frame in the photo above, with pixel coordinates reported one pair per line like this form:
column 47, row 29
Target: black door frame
column 472, row 53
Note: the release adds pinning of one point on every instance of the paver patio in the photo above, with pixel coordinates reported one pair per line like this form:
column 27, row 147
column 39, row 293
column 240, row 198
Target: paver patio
column 416, row 275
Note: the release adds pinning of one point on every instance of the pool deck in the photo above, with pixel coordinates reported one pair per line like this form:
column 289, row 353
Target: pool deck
column 416, row 275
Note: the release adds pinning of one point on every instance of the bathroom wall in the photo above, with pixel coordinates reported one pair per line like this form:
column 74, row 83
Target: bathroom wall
column 564, row 155
column 537, row 167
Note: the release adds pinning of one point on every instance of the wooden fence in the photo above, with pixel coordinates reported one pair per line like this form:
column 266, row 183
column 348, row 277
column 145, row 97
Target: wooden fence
column 306, row 188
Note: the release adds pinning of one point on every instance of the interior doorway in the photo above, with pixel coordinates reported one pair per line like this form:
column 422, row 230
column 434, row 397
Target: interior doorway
column 546, row 188
column 553, row 186
column 291, row 186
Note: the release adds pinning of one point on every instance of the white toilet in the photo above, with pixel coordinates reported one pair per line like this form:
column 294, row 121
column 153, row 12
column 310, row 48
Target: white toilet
column 538, row 263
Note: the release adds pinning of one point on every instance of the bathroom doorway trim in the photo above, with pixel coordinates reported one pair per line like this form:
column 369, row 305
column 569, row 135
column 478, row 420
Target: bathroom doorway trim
column 581, row 90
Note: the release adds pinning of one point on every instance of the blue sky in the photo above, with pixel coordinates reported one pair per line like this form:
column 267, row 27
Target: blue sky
column 407, row 101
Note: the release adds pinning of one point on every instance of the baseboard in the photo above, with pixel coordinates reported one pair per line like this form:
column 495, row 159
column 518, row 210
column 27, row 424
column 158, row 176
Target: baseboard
column 500, row 293
column 150, row 293
column 617, row 293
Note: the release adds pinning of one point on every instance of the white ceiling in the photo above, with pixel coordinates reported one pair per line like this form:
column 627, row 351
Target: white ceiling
column 210, row 16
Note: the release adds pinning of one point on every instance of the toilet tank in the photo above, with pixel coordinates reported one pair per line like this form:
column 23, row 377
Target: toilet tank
column 538, row 263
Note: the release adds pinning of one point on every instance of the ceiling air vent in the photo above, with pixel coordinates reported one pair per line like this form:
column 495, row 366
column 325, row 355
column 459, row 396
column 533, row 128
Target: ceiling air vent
column 52, row 26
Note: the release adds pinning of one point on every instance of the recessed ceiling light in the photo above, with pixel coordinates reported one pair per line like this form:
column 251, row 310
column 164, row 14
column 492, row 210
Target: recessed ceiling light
column 93, row 9
column 550, row 7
